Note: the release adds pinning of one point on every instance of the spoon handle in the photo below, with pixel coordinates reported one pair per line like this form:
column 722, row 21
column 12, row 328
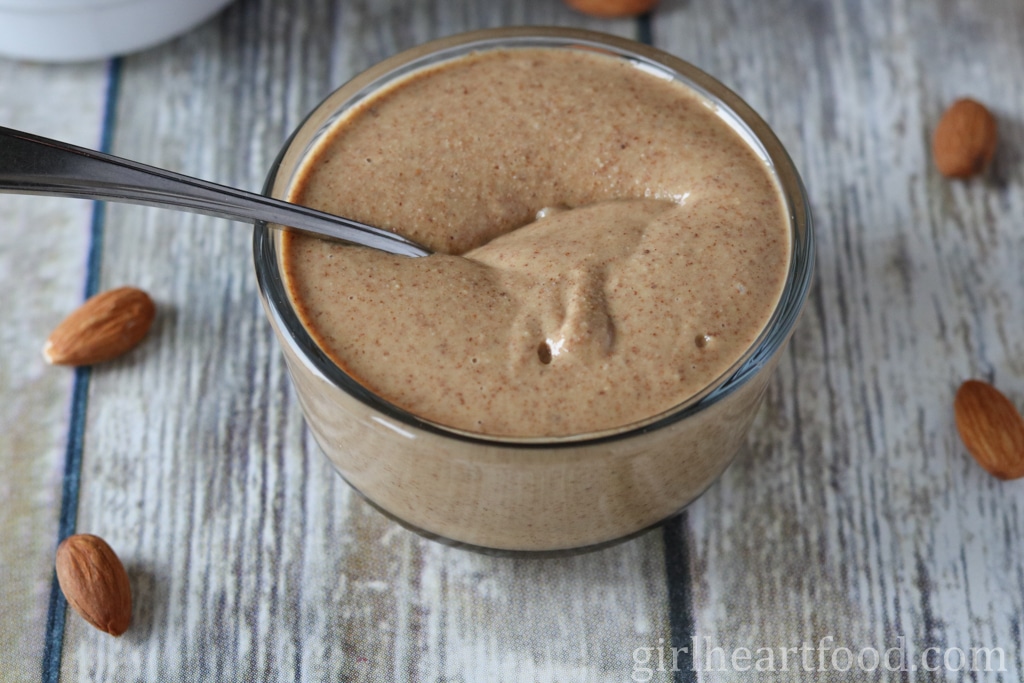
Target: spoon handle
column 30, row 164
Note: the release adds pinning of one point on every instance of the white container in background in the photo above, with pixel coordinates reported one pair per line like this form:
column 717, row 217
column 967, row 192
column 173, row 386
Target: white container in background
column 80, row 30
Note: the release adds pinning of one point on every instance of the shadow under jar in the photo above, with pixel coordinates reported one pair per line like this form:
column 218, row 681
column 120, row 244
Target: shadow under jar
column 509, row 489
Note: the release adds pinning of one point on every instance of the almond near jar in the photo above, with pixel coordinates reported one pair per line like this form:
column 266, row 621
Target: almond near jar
column 547, row 383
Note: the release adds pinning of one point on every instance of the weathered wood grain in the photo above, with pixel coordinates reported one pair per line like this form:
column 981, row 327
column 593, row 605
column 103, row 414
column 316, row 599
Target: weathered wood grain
column 43, row 244
column 250, row 558
column 855, row 512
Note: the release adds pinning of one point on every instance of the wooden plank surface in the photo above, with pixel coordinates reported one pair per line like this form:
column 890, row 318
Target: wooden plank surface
column 855, row 512
column 43, row 247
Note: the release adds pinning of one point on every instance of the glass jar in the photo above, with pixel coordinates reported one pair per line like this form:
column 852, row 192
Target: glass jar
column 530, row 495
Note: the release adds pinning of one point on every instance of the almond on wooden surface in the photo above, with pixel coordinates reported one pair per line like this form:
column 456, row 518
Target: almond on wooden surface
column 991, row 427
column 612, row 8
column 965, row 139
column 104, row 327
column 94, row 582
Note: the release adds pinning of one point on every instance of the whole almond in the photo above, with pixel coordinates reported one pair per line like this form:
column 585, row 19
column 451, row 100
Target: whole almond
column 104, row 327
column 991, row 428
column 612, row 8
column 965, row 139
column 94, row 582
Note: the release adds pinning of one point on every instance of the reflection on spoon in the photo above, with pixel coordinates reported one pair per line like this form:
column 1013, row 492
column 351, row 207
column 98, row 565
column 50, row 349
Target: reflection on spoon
column 31, row 164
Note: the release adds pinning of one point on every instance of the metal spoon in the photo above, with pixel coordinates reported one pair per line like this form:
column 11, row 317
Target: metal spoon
column 30, row 164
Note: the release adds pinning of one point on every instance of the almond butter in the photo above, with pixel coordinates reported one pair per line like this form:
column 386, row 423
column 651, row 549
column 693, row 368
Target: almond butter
column 991, row 428
column 612, row 8
column 104, row 327
column 965, row 139
column 94, row 582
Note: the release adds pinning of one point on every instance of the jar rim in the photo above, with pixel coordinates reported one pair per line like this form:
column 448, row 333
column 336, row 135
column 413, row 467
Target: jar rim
column 728, row 105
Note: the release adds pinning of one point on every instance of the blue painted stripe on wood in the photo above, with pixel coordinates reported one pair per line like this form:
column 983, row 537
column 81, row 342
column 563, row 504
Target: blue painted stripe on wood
column 54, row 645
column 680, row 599
column 643, row 29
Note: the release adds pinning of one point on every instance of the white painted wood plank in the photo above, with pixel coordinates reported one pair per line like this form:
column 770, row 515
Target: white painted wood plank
column 856, row 513
column 43, row 245
column 250, row 559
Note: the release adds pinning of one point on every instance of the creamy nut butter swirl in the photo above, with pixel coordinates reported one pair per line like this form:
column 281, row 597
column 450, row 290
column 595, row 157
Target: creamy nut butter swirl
column 607, row 245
